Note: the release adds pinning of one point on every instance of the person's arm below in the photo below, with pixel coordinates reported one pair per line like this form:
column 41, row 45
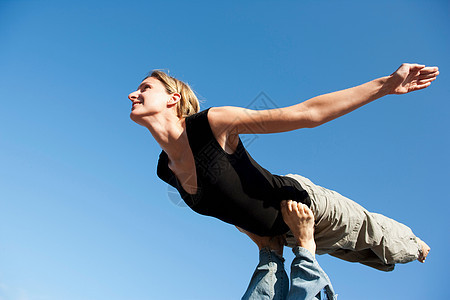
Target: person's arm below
column 307, row 277
column 269, row 280
column 321, row 109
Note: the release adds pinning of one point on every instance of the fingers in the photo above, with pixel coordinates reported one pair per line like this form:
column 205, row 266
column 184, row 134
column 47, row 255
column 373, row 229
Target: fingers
column 417, row 77
column 423, row 81
column 425, row 77
column 429, row 70
column 421, row 86
column 304, row 209
column 416, row 67
column 411, row 66
column 287, row 205
column 291, row 206
column 428, row 75
column 296, row 207
column 419, row 69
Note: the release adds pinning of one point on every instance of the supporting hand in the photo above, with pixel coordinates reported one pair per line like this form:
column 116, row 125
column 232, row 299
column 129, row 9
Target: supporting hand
column 275, row 243
column 411, row 77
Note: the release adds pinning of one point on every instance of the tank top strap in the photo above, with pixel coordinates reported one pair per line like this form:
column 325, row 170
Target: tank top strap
column 199, row 131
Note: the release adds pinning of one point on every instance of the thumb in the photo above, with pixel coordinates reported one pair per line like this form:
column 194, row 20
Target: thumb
column 416, row 67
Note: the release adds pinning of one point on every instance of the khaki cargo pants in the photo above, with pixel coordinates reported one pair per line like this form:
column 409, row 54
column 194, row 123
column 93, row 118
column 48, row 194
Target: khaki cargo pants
column 346, row 230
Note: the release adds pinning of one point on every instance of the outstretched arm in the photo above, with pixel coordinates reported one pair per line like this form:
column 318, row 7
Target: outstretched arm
column 407, row 78
column 321, row 109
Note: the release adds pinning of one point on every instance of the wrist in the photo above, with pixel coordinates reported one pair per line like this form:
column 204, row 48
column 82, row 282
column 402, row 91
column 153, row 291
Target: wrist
column 390, row 84
column 386, row 85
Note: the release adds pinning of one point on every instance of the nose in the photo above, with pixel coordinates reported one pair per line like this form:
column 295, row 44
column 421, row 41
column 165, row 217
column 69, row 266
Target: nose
column 133, row 96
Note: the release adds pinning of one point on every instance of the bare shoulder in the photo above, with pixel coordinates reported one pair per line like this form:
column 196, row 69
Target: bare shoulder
column 237, row 120
column 224, row 118
column 224, row 129
column 224, row 113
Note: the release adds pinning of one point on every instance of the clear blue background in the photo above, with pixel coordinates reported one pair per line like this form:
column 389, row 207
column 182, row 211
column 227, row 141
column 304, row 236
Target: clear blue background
column 83, row 215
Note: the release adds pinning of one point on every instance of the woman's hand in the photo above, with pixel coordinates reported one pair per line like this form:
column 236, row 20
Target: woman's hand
column 411, row 77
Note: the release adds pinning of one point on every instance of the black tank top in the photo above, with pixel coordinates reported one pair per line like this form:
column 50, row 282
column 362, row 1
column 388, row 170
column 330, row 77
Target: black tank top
column 233, row 187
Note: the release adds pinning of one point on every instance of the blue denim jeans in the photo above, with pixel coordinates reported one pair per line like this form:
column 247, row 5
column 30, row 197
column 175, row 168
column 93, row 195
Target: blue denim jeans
column 270, row 281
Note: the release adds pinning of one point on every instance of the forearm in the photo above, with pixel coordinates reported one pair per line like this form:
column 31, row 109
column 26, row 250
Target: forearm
column 307, row 277
column 325, row 108
column 269, row 279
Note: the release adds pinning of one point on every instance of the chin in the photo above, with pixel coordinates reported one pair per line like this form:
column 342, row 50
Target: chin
column 136, row 118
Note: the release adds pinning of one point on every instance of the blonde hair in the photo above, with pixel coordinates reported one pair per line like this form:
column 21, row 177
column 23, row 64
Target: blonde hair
column 188, row 104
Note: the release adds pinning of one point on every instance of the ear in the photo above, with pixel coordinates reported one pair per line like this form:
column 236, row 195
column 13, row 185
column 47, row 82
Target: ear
column 174, row 99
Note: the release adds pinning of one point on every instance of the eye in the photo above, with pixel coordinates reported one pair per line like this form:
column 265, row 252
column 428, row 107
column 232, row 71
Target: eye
column 145, row 87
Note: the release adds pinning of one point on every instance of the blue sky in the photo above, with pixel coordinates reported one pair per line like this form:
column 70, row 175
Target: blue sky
column 83, row 215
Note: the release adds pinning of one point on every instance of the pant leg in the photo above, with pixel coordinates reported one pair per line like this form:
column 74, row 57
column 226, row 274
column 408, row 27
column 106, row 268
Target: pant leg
column 346, row 230
column 307, row 277
column 269, row 281
column 397, row 244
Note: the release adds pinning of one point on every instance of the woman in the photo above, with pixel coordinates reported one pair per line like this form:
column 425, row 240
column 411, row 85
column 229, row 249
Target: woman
column 204, row 159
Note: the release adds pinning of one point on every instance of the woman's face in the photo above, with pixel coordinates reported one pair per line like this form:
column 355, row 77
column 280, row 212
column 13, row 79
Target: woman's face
column 150, row 98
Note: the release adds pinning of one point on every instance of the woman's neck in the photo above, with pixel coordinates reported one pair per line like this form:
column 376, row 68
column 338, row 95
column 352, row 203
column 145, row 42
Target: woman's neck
column 169, row 132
